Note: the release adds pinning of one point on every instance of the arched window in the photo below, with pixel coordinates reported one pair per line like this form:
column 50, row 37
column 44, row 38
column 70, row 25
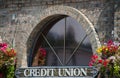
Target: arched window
column 66, row 44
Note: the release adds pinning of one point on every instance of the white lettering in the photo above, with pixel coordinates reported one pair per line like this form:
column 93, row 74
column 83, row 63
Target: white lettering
column 26, row 72
column 72, row 72
column 59, row 72
column 84, row 71
column 76, row 72
column 52, row 72
column 32, row 72
column 67, row 73
column 43, row 72
column 36, row 72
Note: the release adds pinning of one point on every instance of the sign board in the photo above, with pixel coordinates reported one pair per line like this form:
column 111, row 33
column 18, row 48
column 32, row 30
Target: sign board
column 56, row 71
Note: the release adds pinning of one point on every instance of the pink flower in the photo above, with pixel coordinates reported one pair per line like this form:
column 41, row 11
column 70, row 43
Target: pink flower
column 43, row 51
column 93, row 60
column 109, row 43
column 3, row 47
column 94, row 56
column 90, row 63
column 3, row 44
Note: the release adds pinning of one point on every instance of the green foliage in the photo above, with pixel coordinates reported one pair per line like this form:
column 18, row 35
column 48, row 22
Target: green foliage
column 7, row 71
column 117, row 70
column 10, row 71
column 102, row 70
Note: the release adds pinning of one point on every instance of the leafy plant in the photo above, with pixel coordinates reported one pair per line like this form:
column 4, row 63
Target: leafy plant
column 7, row 61
column 107, row 59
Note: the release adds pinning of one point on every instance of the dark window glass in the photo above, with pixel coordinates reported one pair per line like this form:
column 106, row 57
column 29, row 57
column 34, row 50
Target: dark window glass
column 68, row 45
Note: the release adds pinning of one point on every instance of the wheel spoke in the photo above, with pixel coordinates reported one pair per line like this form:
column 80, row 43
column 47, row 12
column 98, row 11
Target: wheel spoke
column 52, row 49
column 76, row 49
column 64, row 50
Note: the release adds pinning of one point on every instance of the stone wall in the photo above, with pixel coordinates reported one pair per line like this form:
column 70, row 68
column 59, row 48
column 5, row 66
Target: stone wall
column 11, row 18
column 117, row 24
column 16, row 23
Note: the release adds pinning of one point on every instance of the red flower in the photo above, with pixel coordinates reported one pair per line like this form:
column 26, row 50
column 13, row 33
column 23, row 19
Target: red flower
column 94, row 56
column 110, row 42
column 100, row 61
column 43, row 52
column 105, row 63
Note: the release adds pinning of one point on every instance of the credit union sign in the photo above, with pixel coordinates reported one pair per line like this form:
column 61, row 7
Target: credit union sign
column 56, row 71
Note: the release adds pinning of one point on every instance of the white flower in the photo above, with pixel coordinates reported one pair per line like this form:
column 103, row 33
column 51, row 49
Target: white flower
column 112, row 59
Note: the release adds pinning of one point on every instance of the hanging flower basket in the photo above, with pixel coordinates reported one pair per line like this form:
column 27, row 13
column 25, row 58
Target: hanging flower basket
column 7, row 61
column 107, row 60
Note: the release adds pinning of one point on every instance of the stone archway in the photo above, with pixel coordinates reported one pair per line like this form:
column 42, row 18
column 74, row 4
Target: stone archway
column 52, row 15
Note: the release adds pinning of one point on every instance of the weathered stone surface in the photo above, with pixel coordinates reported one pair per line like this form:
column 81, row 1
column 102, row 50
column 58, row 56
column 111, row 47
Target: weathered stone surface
column 21, row 26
